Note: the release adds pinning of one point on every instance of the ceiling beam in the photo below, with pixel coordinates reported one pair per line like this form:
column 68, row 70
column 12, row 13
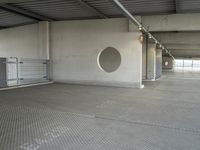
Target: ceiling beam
column 23, row 12
column 126, row 13
column 134, row 20
column 176, row 6
column 92, row 9
column 13, row 1
column 183, row 46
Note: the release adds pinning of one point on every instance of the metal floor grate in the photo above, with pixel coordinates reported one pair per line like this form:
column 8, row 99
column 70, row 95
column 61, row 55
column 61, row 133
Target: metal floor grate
column 74, row 117
column 29, row 128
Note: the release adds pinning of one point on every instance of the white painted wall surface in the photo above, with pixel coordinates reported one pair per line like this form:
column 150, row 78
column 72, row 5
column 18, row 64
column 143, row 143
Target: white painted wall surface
column 22, row 42
column 75, row 46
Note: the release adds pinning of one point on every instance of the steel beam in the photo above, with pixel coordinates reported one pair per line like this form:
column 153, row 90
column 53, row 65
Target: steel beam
column 13, row 1
column 125, row 12
column 23, row 12
column 176, row 3
column 128, row 15
column 92, row 9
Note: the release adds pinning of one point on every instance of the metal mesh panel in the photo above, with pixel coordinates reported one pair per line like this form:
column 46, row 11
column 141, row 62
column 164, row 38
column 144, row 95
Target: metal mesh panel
column 32, row 70
column 9, row 73
column 14, row 71
column 12, row 74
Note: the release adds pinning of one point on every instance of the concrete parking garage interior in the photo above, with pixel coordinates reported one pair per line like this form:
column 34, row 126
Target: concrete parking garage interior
column 99, row 75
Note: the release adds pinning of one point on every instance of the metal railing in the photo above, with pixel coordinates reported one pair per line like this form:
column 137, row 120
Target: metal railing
column 19, row 71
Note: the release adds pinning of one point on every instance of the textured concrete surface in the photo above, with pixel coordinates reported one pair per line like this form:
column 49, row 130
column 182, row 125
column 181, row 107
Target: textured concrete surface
column 162, row 116
column 75, row 60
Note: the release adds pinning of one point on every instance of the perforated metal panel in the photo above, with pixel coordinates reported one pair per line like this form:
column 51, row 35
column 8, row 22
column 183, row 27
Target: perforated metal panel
column 14, row 71
column 2, row 72
column 32, row 70
column 8, row 72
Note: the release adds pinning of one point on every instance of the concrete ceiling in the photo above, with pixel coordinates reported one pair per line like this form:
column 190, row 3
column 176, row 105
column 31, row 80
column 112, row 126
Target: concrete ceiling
column 21, row 12
column 183, row 44
column 178, row 32
column 17, row 12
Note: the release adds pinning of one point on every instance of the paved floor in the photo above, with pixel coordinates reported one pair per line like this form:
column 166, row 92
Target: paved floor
column 165, row 115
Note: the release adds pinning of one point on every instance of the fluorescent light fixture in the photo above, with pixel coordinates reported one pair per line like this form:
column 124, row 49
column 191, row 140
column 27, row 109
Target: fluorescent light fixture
column 140, row 28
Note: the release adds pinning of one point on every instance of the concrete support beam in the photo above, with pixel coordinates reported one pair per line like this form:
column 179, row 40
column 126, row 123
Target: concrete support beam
column 176, row 6
column 183, row 46
column 158, row 63
column 92, row 9
column 151, row 62
column 43, row 39
column 185, row 53
column 186, row 44
column 144, row 58
column 179, row 38
column 174, row 22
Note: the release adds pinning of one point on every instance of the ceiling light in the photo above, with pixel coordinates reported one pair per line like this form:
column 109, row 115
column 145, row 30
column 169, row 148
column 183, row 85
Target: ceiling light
column 140, row 28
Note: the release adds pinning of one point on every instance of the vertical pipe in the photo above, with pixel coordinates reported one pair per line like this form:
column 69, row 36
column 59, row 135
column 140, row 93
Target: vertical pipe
column 146, row 39
column 17, row 65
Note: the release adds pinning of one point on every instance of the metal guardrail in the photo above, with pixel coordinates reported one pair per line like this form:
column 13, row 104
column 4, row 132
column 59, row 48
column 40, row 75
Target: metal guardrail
column 20, row 71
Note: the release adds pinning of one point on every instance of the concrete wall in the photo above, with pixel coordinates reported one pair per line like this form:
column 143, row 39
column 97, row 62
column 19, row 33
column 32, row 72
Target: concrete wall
column 75, row 46
column 25, row 41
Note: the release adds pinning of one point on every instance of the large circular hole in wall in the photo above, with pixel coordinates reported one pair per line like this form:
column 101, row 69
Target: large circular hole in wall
column 109, row 59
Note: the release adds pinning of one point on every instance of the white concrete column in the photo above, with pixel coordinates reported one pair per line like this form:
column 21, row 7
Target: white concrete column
column 151, row 62
column 158, row 63
column 43, row 43
column 144, row 58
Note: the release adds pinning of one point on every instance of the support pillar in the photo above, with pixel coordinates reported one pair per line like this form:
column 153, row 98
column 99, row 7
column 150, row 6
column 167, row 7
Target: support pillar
column 158, row 63
column 151, row 62
column 43, row 38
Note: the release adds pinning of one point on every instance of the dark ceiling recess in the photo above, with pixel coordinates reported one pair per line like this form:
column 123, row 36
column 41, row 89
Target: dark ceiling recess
column 18, row 12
